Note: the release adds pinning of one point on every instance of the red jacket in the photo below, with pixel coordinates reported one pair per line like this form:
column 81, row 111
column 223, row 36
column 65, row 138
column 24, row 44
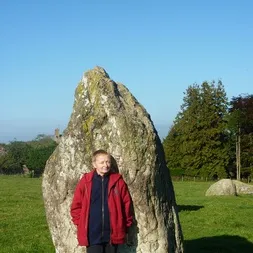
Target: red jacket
column 119, row 203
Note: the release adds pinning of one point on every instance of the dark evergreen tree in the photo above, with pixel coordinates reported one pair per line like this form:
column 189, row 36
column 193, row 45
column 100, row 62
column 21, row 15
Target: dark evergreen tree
column 196, row 143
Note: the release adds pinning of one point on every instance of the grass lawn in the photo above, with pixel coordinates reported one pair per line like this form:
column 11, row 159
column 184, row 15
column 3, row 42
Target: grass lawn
column 214, row 224
column 23, row 226
column 210, row 224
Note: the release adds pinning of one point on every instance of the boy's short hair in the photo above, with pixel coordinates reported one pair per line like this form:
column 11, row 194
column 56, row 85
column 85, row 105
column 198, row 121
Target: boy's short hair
column 99, row 152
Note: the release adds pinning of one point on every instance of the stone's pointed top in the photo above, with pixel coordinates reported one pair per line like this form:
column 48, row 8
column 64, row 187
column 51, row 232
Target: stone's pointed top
column 100, row 70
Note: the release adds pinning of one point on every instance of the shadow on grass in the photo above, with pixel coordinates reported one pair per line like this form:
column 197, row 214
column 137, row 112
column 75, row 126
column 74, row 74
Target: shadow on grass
column 219, row 244
column 188, row 208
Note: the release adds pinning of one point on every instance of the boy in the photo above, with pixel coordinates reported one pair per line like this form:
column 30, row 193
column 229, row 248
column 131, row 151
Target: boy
column 101, row 207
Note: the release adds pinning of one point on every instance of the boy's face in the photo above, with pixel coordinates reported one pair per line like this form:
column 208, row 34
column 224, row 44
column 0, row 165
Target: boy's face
column 102, row 164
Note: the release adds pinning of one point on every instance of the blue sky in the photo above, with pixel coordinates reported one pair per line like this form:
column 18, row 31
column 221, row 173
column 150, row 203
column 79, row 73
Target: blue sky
column 155, row 48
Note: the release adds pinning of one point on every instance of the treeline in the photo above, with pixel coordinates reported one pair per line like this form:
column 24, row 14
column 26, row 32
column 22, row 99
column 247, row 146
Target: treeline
column 32, row 155
column 211, row 137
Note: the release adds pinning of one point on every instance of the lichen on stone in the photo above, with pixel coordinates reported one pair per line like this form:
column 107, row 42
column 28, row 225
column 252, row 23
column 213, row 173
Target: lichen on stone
column 79, row 89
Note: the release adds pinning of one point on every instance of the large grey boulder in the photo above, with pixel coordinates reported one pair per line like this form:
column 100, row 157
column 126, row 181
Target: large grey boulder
column 229, row 187
column 106, row 116
column 222, row 187
column 243, row 188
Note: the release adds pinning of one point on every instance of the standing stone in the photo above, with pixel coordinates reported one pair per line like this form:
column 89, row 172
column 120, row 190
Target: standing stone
column 106, row 116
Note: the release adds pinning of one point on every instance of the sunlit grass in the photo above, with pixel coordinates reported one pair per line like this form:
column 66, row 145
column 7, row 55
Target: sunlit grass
column 210, row 224
column 214, row 224
column 23, row 226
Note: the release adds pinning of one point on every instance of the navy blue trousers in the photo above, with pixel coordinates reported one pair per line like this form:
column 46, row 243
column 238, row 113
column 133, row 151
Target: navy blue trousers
column 102, row 248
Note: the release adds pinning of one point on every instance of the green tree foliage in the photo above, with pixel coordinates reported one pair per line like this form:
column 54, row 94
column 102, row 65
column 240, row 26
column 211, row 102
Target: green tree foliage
column 241, row 110
column 42, row 140
column 17, row 153
column 38, row 157
column 196, row 143
column 241, row 125
column 7, row 163
column 33, row 154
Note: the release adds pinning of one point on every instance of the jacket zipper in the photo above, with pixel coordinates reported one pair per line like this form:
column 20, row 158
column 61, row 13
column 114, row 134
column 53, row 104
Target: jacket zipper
column 103, row 208
column 110, row 241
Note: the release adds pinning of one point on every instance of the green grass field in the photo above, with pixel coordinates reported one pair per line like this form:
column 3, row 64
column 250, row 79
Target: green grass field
column 214, row 224
column 23, row 226
column 210, row 224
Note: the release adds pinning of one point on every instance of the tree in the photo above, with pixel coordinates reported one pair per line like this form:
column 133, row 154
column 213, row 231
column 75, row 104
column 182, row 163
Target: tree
column 33, row 154
column 38, row 158
column 17, row 153
column 196, row 142
column 241, row 128
column 7, row 164
column 42, row 140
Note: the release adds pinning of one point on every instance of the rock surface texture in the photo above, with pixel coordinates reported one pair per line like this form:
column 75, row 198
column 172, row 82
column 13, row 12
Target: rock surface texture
column 222, row 187
column 229, row 187
column 243, row 188
column 106, row 116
